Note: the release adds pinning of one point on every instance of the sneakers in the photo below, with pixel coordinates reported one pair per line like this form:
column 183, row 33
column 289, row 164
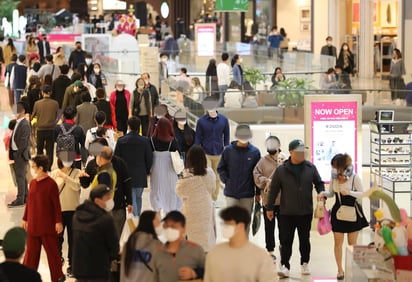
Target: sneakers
column 283, row 272
column 305, row 270
column 15, row 204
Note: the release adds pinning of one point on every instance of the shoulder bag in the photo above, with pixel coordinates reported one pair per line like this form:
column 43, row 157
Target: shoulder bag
column 177, row 160
column 347, row 213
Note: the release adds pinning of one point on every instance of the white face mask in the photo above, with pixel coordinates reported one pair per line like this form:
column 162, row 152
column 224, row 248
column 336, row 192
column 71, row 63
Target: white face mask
column 67, row 164
column 212, row 113
column 329, row 43
column 171, row 234
column 88, row 61
column 228, row 231
column 109, row 205
column 159, row 230
column 182, row 122
column 119, row 88
column 345, row 48
column 243, row 141
column 159, row 117
column 164, row 60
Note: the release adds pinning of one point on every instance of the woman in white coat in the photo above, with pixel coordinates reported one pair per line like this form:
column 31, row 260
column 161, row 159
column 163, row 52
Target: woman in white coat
column 195, row 188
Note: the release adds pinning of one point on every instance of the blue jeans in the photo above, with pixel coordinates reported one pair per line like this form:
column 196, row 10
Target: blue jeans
column 137, row 200
column 17, row 95
column 222, row 91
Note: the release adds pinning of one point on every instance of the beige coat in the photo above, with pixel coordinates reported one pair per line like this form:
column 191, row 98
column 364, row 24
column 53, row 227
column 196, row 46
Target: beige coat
column 263, row 174
column 7, row 52
column 85, row 116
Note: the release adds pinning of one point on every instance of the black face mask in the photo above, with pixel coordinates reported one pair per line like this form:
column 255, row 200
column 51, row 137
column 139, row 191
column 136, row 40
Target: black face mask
column 273, row 152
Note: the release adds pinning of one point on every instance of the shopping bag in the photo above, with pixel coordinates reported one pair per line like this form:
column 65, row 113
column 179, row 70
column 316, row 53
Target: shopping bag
column 324, row 225
column 319, row 211
column 177, row 162
column 257, row 215
column 128, row 227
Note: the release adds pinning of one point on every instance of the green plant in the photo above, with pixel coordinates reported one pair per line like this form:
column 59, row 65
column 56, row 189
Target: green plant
column 253, row 75
column 290, row 92
column 7, row 7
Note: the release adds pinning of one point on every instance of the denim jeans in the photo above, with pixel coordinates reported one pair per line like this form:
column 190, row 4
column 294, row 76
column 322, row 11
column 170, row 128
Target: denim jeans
column 222, row 91
column 137, row 200
column 17, row 95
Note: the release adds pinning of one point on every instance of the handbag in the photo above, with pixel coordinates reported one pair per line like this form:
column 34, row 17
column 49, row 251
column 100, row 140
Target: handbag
column 319, row 211
column 177, row 162
column 346, row 213
column 324, row 224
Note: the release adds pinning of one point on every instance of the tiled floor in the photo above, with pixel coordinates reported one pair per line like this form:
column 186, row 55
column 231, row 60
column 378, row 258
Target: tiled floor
column 322, row 259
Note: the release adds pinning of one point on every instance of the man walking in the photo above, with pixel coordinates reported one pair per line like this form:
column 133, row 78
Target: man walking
column 236, row 170
column 223, row 77
column 44, row 114
column 136, row 151
column 212, row 133
column 49, row 68
column 154, row 95
column 44, row 48
column 294, row 179
column 77, row 56
column 18, row 78
column 60, row 84
column 20, row 153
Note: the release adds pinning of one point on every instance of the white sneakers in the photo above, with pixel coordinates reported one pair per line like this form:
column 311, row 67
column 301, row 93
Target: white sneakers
column 284, row 271
column 305, row 270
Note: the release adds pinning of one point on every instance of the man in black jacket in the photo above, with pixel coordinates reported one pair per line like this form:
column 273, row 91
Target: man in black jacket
column 60, row 84
column 136, row 151
column 294, row 179
column 154, row 95
column 44, row 48
column 95, row 242
column 77, row 56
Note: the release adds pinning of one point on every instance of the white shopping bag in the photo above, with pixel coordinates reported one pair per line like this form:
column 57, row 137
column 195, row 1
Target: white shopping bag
column 128, row 227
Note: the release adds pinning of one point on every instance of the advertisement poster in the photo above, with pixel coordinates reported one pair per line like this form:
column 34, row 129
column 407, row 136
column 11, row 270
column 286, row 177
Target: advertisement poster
column 206, row 40
column 232, row 5
column 334, row 130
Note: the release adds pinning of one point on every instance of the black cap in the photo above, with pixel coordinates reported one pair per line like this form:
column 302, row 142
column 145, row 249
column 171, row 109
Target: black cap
column 99, row 191
column 175, row 216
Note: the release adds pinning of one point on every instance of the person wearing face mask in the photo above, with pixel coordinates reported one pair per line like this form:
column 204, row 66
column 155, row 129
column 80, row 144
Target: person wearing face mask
column 97, row 77
column 42, row 219
column 236, row 170
column 119, row 104
column 184, row 134
column 237, row 69
column 154, row 95
column 328, row 81
column 159, row 112
column 137, row 254
column 163, row 71
column 141, row 105
column 178, row 259
column 346, row 59
column 94, row 250
column 294, row 180
column 346, row 186
column 262, row 174
column 212, row 133
column 105, row 173
column 68, row 183
column 238, row 259
column 77, row 56
column 329, row 49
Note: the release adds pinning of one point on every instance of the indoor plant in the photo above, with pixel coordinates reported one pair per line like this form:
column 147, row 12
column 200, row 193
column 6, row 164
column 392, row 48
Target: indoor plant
column 291, row 91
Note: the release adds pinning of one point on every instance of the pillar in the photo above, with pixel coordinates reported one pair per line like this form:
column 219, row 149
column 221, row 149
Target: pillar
column 366, row 41
column 404, row 38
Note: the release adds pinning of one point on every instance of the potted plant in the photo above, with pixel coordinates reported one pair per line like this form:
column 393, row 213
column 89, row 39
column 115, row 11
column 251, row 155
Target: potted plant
column 290, row 95
column 253, row 75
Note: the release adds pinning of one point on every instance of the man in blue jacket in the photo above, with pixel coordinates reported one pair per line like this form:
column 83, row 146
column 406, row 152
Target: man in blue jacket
column 236, row 170
column 294, row 180
column 212, row 133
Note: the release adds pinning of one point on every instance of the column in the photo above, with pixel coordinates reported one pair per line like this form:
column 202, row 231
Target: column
column 404, row 38
column 365, row 67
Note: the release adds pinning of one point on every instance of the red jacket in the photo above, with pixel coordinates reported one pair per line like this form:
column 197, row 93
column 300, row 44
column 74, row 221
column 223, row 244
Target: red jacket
column 43, row 207
column 113, row 105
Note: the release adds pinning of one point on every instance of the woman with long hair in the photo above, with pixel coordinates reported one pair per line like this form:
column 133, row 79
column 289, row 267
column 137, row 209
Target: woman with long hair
column 59, row 57
column 136, row 260
column 212, row 88
column 31, row 47
column 195, row 187
column 160, row 111
column 33, row 92
column 237, row 69
column 184, row 134
column 163, row 177
column 346, row 186
column 397, row 70
column 346, row 59
column 9, row 50
column 97, row 77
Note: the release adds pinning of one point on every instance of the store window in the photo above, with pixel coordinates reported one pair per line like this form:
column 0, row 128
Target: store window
column 263, row 19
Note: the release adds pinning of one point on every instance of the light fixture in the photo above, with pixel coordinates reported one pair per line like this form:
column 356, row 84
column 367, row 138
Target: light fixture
column 164, row 9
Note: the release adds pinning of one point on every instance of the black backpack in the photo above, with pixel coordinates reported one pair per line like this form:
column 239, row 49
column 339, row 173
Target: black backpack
column 65, row 140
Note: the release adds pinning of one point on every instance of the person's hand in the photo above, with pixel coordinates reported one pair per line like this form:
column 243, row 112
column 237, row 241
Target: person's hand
column 83, row 174
column 257, row 198
column 344, row 192
column 59, row 227
column 24, row 225
column 186, row 273
column 61, row 174
column 129, row 208
column 270, row 215
column 320, row 197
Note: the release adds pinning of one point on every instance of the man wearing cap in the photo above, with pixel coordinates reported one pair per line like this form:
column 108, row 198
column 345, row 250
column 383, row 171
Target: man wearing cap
column 44, row 115
column 136, row 151
column 178, row 259
column 14, row 244
column 49, row 68
column 19, row 151
column 72, row 95
column 212, row 133
column 236, row 170
column 294, row 180
column 95, row 242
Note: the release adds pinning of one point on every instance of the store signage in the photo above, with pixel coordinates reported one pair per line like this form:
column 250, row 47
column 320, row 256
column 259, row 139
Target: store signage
column 114, row 5
column 205, row 39
column 334, row 130
column 232, row 5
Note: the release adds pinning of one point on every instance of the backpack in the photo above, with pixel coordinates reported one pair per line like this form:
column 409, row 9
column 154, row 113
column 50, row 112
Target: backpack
column 65, row 140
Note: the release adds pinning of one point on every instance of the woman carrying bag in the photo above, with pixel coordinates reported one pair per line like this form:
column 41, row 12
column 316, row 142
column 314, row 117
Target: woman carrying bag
column 347, row 215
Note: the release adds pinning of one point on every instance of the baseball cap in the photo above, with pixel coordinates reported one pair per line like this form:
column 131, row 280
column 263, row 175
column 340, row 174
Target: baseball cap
column 99, row 191
column 78, row 83
column 175, row 216
column 15, row 240
column 297, row 145
column 243, row 132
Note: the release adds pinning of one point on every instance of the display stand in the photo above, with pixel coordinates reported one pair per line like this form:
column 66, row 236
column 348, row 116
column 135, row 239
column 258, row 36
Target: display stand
column 390, row 162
